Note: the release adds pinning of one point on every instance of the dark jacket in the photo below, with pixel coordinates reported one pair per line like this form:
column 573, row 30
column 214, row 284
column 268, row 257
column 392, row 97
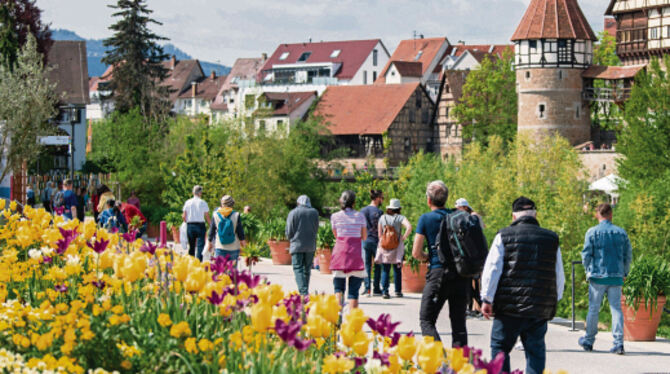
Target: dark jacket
column 527, row 286
column 302, row 226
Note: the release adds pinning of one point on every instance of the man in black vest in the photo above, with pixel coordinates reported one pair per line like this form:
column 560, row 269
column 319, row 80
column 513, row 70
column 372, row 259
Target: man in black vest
column 521, row 284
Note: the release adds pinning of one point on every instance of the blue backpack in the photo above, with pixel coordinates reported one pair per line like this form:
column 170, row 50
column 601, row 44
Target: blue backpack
column 226, row 229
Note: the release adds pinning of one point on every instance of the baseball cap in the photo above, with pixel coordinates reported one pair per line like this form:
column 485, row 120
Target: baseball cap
column 522, row 204
column 462, row 203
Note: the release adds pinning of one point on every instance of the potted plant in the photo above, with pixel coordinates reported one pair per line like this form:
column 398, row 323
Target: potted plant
column 173, row 220
column 275, row 232
column 644, row 295
column 413, row 271
column 325, row 240
column 252, row 253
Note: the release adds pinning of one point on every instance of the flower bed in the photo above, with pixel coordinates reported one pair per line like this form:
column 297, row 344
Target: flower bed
column 77, row 298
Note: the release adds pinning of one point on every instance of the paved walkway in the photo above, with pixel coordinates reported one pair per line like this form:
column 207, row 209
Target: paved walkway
column 562, row 349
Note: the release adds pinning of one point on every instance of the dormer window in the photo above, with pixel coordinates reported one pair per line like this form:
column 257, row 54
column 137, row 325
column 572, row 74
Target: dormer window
column 335, row 53
column 304, row 56
column 284, row 56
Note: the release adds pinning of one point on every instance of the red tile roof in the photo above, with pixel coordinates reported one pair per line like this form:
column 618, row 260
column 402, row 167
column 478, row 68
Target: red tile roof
column 612, row 72
column 409, row 68
column 243, row 69
column 353, row 54
column 206, row 88
column 178, row 75
column 287, row 103
column 498, row 49
column 408, row 50
column 363, row 110
column 554, row 19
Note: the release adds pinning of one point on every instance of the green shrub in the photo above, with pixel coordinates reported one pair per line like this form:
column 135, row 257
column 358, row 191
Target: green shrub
column 648, row 278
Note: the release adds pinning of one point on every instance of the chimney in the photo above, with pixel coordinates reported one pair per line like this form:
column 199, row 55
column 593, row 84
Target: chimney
column 173, row 62
column 264, row 56
column 213, row 74
column 194, row 88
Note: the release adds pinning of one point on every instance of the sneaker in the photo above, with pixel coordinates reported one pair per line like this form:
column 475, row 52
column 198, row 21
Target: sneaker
column 386, row 296
column 365, row 291
column 617, row 349
column 377, row 293
column 399, row 294
column 587, row 347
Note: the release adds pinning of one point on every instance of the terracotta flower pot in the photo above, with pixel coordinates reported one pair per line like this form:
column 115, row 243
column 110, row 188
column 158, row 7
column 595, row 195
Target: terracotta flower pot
column 279, row 252
column 175, row 234
column 413, row 282
column 641, row 324
column 324, row 261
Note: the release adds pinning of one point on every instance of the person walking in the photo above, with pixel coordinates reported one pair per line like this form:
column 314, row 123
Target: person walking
column 606, row 257
column 130, row 211
column 443, row 283
column 372, row 213
column 45, row 196
column 302, row 226
column 30, row 196
column 226, row 232
column 134, row 200
column 196, row 215
column 475, row 289
column 522, row 283
column 81, row 204
column 70, row 201
column 111, row 218
column 350, row 229
column 389, row 228
column 104, row 194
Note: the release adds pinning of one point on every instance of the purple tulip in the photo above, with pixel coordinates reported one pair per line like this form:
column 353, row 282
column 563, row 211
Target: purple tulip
column 246, row 277
column 68, row 237
column 60, row 288
column 99, row 245
column 215, row 298
column 495, row 366
column 113, row 230
column 383, row 357
column 149, row 248
column 221, row 265
column 130, row 236
column 288, row 332
column 301, row 345
column 59, row 210
column 47, row 259
column 294, row 305
column 383, row 325
column 99, row 284
column 360, row 361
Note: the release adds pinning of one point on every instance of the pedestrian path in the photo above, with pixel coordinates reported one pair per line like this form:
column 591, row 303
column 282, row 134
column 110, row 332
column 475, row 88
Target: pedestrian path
column 562, row 349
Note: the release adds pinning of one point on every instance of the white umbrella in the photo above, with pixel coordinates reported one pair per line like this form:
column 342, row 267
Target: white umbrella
column 607, row 184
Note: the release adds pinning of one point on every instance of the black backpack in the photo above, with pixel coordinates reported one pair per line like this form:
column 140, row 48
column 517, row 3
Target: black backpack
column 461, row 241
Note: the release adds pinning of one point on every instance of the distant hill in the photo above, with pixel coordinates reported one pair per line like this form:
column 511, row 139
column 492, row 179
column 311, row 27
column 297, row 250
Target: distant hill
column 96, row 51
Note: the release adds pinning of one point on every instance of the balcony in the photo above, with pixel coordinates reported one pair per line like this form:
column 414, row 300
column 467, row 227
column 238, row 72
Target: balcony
column 606, row 95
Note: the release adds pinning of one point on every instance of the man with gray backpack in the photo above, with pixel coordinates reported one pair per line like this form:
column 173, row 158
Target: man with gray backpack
column 226, row 233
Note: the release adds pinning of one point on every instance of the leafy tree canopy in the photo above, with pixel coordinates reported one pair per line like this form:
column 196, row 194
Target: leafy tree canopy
column 18, row 19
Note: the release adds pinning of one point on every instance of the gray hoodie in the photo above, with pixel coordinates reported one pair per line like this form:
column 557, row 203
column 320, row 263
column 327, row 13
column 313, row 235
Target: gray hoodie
column 302, row 226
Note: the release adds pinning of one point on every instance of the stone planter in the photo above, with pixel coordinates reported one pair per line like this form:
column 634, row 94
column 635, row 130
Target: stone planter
column 325, row 254
column 414, row 282
column 279, row 252
column 641, row 324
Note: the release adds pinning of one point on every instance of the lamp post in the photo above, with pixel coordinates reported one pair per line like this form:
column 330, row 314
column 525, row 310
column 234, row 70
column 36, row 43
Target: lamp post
column 72, row 117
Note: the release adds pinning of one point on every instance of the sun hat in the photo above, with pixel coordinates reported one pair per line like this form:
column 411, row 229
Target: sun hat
column 462, row 203
column 228, row 201
column 394, row 204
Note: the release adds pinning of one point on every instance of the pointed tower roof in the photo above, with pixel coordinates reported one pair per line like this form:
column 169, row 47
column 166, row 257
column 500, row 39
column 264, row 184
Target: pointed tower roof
column 554, row 19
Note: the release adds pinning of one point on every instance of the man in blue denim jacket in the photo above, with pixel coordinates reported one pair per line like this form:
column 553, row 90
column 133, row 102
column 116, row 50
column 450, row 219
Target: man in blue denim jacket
column 606, row 256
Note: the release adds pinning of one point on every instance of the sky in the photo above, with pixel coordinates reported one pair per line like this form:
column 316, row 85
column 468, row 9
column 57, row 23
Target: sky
column 224, row 30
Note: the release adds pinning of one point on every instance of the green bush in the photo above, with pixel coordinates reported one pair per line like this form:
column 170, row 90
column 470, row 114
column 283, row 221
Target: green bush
column 274, row 229
column 324, row 237
column 648, row 278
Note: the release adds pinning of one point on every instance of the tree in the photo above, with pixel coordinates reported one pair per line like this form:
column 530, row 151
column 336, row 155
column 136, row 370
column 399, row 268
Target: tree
column 18, row 19
column 645, row 140
column 136, row 57
column 489, row 102
column 27, row 102
column 605, row 114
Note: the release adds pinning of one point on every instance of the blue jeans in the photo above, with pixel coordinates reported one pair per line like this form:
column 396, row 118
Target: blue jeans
column 232, row 255
column 302, row 269
column 369, row 252
column 340, row 285
column 596, row 294
column 196, row 239
column 505, row 332
column 397, row 277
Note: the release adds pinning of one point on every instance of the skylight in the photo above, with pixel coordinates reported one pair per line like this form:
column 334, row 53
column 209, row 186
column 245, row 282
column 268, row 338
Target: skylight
column 335, row 53
column 284, row 56
column 418, row 56
column 304, row 56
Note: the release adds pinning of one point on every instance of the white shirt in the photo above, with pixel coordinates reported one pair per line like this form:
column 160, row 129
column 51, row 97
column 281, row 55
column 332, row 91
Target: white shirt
column 494, row 267
column 195, row 209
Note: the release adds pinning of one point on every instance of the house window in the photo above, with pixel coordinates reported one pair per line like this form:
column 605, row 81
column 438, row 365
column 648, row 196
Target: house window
column 418, row 101
column 408, row 145
column 560, row 75
column 653, row 33
column 667, row 31
column 374, row 76
column 527, row 75
column 365, row 77
column 304, row 56
column 249, row 101
column 261, row 126
column 532, row 45
column 412, row 116
column 425, row 117
column 447, row 88
column 335, row 53
column 541, row 111
column 284, row 56
column 578, row 111
column 374, row 57
column 446, row 112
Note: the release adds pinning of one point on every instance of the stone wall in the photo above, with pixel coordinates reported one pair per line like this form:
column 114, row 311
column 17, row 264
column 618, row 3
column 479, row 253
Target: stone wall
column 550, row 100
column 599, row 164
column 411, row 130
